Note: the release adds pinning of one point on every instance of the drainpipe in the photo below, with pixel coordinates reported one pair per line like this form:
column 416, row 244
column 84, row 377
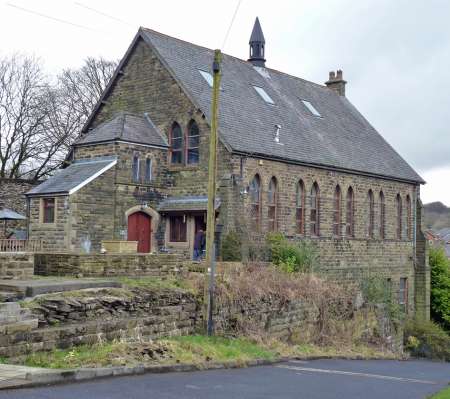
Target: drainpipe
column 416, row 189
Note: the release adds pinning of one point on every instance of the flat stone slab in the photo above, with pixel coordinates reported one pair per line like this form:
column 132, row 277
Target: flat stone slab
column 30, row 288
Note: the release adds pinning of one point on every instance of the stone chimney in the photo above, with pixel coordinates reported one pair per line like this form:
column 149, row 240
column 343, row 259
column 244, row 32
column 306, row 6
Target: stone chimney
column 336, row 82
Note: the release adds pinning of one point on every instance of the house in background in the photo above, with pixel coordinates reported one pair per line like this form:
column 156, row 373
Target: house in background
column 294, row 156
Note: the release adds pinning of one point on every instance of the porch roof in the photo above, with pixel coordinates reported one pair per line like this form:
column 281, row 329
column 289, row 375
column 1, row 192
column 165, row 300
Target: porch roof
column 69, row 180
column 187, row 203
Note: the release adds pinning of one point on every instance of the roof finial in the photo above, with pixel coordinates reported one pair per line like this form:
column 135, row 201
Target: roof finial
column 257, row 45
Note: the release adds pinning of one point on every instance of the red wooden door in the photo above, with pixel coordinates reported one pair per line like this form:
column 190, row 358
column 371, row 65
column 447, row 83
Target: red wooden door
column 139, row 229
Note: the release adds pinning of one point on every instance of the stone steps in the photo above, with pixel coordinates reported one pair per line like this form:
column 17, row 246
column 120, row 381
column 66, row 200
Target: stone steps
column 13, row 318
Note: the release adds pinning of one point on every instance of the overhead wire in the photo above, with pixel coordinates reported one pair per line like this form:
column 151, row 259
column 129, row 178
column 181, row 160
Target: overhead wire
column 231, row 24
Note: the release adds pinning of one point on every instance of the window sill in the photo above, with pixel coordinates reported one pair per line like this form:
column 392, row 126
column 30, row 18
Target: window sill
column 176, row 168
column 181, row 244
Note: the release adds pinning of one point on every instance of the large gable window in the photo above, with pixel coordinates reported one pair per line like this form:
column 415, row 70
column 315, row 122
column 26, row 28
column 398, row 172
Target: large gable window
column 176, row 144
column 255, row 199
column 193, row 143
column 337, row 212
column 350, row 213
column 300, row 207
column 48, row 210
column 314, row 210
column 272, row 198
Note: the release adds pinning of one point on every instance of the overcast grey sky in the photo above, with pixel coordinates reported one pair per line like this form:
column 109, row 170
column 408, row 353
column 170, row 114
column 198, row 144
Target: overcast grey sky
column 395, row 54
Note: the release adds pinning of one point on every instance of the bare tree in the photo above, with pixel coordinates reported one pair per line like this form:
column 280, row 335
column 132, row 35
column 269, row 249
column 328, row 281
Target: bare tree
column 38, row 120
column 81, row 88
column 22, row 84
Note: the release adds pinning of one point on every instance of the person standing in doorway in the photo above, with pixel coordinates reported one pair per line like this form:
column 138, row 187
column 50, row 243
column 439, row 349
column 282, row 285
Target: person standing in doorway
column 199, row 245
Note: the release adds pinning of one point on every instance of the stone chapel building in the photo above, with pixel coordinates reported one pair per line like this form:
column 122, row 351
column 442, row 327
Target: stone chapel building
column 294, row 156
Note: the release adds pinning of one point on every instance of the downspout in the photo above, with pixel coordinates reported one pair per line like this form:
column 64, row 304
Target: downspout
column 416, row 189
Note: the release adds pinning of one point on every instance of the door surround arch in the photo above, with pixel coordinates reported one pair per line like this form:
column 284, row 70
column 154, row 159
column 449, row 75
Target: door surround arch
column 155, row 219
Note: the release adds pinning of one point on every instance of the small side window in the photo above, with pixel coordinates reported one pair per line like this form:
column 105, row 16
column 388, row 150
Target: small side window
column 48, row 209
column 148, row 170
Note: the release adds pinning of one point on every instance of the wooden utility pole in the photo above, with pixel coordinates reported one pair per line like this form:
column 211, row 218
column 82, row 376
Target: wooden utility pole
column 211, row 215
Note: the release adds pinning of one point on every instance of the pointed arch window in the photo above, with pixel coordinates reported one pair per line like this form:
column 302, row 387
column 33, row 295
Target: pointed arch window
column 300, row 207
column 255, row 200
column 135, row 168
column 408, row 218
column 193, row 141
column 148, row 170
column 176, row 144
column 382, row 215
column 314, row 210
column 398, row 203
column 350, row 212
column 371, row 223
column 337, row 211
column 272, row 199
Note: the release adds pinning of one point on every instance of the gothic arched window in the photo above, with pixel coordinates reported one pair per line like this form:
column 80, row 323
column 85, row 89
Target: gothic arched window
column 314, row 210
column 272, row 199
column 193, row 141
column 176, row 144
column 300, row 207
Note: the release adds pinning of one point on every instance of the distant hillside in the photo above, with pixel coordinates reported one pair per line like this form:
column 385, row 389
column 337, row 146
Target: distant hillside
column 437, row 216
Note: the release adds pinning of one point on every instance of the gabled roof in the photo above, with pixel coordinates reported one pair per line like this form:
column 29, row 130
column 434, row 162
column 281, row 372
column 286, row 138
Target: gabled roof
column 340, row 139
column 127, row 127
column 69, row 180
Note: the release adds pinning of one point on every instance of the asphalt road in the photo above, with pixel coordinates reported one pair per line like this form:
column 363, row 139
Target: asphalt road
column 319, row 379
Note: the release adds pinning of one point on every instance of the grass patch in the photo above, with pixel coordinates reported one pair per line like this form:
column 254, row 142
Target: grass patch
column 80, row 356
column 444, row 394
column 195, row 349
column 198, row 348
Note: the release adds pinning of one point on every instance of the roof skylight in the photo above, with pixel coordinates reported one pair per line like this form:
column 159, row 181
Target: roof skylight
column 264, row 95
column 311, row 108
column 207, row 76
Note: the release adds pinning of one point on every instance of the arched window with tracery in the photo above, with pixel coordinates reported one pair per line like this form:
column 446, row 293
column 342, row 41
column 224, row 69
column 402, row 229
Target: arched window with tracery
column 255, row 200
column 398, row 203
column 272, row 199
column 371, row 224
column 382, row 216
column 176, row 144
column 300, row 207
column 314, row 218
column 192, row 147
column 350, row 213
column 408, row 218
column 337, row 211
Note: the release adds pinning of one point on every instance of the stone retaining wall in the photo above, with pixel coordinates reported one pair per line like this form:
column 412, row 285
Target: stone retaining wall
column 91, row 316
column 16, row 265
column 106, row 265
column 104, row 315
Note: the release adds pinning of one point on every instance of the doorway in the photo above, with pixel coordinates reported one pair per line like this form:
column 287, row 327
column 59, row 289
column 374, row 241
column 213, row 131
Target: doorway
column 140, row 230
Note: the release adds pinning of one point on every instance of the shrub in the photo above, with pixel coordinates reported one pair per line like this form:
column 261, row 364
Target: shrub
column 289, row 256
column 426, row 339
column 440, row 287
column 231, row 247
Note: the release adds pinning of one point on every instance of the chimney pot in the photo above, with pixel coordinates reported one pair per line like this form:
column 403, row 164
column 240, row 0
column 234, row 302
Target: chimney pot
column 336, row 82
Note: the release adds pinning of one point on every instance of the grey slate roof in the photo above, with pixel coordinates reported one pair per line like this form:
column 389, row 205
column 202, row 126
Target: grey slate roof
column 71, row 177
column 188, row 203
column 8, row 214
column 127, row 127
column 341, row 139
column 257, row 33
